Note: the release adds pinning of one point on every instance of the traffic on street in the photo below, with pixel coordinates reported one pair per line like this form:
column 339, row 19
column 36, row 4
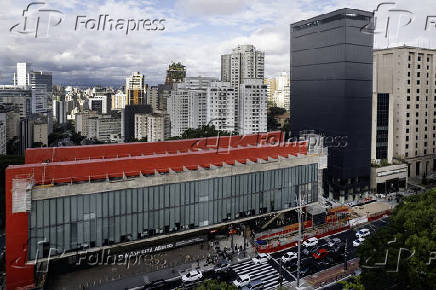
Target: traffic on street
column 269, row 271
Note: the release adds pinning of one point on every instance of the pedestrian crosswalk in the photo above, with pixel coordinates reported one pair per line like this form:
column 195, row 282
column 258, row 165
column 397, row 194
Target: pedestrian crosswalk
column 265, row 272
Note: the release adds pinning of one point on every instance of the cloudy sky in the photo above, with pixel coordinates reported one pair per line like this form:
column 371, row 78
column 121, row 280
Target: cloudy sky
column 196, row 33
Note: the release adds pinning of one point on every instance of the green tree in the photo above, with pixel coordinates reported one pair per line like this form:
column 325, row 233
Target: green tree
column 271, row 118
column 215, row 285
column 352, row 284
column 407, row 244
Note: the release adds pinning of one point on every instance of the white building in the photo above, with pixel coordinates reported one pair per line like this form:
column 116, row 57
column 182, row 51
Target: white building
column 187, row 105
column 281, row 95
column 21, row 76
column 252, row 107
column 221, row 106
column 135, row 89
column 405, row 94
column 40, row 83
column 100, row 103
column 140, row 126
column 245, row 62
column 118, row 101
column 154, row 127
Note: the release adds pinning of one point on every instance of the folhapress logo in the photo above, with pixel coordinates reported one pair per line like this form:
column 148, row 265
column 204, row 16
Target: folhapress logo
column 37, row 20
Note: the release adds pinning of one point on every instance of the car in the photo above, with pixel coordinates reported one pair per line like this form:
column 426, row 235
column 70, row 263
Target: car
column 320, row 254
column 261, row 258
column 158, row 284
column 311, row 242
column 308, row 250
column 289, row 256
column 363, row 233
column 333, row 242
column 242, row 280
column 255, row 284
column 358, row 242
column 222, row 266
column 192, row 276
column 338, row 249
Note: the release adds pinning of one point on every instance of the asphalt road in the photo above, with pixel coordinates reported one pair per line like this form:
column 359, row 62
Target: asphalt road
column 271, row 271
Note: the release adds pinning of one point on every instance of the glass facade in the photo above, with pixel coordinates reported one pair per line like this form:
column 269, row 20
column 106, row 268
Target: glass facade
column 382, row 126
column 91, row 220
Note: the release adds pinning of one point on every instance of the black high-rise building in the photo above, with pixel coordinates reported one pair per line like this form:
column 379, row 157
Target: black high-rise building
column 331, row 73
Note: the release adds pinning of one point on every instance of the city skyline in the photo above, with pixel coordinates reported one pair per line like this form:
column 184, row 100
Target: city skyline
column 196, row 34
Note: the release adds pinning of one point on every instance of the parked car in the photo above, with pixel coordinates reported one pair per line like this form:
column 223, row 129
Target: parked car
column 320, row 254
column 333, row 242
column 358, row 242
column 308, row 250
column 158, row 284
column 363, row 233
column 261, row 258
column 289, row 256
column 310, row 242
column 255, row 284
column 242, row 280
column 192, row 276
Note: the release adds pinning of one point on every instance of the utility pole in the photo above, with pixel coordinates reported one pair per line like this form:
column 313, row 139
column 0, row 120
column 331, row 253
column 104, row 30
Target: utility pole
column 245, row 238
column 299, row 211
column 345, row 255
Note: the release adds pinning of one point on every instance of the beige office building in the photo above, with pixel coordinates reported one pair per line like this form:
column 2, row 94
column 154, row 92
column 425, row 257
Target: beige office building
column 404, row 114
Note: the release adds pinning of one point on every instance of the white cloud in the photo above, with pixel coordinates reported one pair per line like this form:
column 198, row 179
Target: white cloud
column 197, row 33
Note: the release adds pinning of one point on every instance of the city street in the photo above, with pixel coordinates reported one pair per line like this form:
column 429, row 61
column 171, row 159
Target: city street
column 269, row 271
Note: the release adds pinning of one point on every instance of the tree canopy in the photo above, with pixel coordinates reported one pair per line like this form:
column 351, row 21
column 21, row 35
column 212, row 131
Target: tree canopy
column 215, row 285
column 402, row 254
column 203, row 131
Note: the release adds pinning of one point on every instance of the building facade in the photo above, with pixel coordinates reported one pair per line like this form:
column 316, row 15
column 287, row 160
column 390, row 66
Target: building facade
column 99, row 212
column 3, row 140
column 220, row 106
column 187, row 105
column 41, row 84
column 331, row 73
column 245, row 62
column 406, row 76
column 17, row 96
column 135, row 89
column 252, row 107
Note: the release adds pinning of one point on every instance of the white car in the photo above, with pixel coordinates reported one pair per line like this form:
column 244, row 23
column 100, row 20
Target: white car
column 310, row 242
column 192, row 276
column 261, row 258
column 289, row 256
column 358, row 242
column 243, row 280
column 363, row 233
